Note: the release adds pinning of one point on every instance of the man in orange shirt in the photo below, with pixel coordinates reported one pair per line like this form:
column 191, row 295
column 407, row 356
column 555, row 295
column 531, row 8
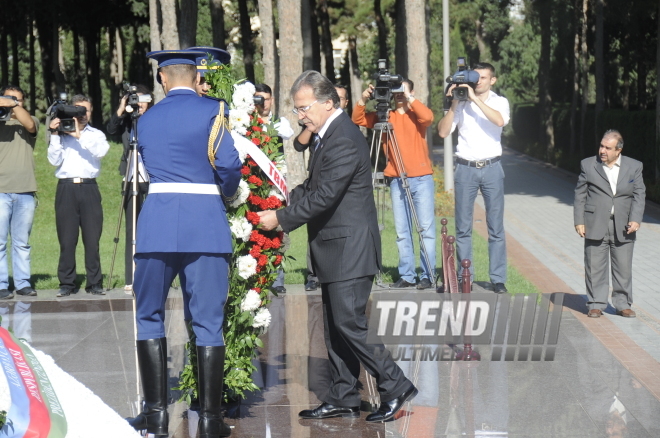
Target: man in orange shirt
column 409, row 120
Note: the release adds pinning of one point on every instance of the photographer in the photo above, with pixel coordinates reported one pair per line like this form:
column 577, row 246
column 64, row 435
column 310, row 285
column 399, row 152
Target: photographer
column 18, row 185
column 77, row 155
column 121, row 122
column 479, row 120
column 282, row 126
column 409, row 120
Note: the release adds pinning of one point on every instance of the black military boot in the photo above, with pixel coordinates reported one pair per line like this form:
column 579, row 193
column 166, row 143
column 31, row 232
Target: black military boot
column 152, row 359
column 210, row 366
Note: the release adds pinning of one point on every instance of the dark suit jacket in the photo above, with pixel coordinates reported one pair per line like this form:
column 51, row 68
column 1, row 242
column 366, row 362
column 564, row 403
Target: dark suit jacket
column 594, row 198
column 337, row 204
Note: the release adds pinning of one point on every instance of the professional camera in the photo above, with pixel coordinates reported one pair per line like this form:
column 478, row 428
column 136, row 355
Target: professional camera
column 463, row 76
column 259, row 100
column 386, row 84
column 5, row 112
column 66, row 113
column 134, row 99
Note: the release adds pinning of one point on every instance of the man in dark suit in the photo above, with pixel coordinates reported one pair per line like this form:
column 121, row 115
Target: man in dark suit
column 336, row 202
column 608, row 210
column 183, row 230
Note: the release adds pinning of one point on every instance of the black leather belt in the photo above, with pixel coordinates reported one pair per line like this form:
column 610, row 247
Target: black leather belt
column 478, row 163
column 77, row 180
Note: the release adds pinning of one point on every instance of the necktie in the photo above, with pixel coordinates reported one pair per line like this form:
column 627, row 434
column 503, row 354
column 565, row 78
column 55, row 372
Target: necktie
column 316, row 142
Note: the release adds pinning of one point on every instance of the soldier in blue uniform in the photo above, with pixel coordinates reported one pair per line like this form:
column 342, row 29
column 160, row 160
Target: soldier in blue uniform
column 183, row 230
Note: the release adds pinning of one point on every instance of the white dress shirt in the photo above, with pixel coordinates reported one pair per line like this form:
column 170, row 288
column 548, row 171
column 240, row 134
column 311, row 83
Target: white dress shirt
column 326, row 125
column 613, row 175
column 78, row 158
column 478, row 137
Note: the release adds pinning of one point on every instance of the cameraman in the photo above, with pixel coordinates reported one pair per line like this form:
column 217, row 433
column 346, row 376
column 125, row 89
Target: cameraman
column 409, row 120
column 77, row 156
column 479, row 121
column 17, row 189
column 282, row 125
column 121, row 122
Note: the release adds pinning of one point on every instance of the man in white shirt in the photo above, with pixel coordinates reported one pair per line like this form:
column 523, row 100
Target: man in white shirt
column 77, row 155
column 480, row 120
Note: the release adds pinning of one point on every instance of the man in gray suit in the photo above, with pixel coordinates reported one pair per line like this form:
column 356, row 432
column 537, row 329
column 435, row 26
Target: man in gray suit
column 608, row 210
column 337, row 204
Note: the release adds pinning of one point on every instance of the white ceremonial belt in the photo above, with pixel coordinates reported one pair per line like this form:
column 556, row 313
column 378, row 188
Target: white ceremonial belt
column 191, row 188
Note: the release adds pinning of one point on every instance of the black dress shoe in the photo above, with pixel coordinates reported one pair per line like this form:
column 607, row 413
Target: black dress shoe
column 278, row 290
column 388, row 410
column 66, row 291
column 326, row 410
column 27, row 292
column 424, row 284
column 401, row 284
column 499, row 288
column 311, row 285
column 6, row 294
column 95, row 289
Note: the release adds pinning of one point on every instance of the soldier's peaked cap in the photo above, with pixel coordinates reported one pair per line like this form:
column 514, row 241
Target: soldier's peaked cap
column 174, row 57
column 211, row 56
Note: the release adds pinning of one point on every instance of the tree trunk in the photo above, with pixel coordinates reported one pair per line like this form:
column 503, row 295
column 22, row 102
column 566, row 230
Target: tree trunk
column 290, row 49
column 484, row 53
column 170, row 31
column 78, row 75
column 14, row 56
column 545, row 98
column 354, row 68
column 94, row 77
column 576, row 77
column 154, row 33
column 642, row 73
column 116, row 63
column 58, row 59
column 4, row 59
column 584, row 73
column 45, row 43
column 187, row 23
column 218, row 23
column 326, row 40
column 400, row 40
column 246, row 40
column 600, row 62
column 382, row 30
column 418, row 54
column 269, row 56
column 657, row 105
column 33, row 79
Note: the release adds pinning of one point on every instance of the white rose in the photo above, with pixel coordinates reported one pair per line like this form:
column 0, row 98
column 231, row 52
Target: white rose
column 243, row 193
column 240, row 227
column 261, row 318
column 239, row 121
column 251, row 301
column 247, row 266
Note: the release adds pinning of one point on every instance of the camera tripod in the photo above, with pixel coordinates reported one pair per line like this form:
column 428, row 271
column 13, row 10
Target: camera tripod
column 385, row 129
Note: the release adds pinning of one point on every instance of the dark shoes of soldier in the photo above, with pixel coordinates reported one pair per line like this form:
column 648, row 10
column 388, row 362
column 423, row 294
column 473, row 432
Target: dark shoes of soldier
column 5, row 294
column 424, row 284
column 27, row 292
column 95, row 289
column 279, row 290
column 401, row 284
column 311, row 285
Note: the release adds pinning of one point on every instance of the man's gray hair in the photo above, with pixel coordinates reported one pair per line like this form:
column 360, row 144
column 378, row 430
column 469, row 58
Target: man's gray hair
column 80, row 98
column 616, row 135
column 324, row 90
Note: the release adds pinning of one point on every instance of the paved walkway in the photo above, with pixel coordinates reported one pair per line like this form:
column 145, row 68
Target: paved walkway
column 542, row 243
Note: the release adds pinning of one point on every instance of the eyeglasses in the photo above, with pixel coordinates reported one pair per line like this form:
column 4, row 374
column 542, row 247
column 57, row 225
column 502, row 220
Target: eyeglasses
column 303, row 110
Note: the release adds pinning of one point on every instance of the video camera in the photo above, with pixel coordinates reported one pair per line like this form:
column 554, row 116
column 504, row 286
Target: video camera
column 259, row 100
column 386, row 84
column 463, row 76
column 134, row 99
column 66, row 113
column 5, row 112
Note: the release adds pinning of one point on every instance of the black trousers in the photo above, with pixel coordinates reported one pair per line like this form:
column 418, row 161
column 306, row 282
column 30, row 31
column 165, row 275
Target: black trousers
column 143, row 189
column 345, row 324
column 310, row 268
column 78, row 208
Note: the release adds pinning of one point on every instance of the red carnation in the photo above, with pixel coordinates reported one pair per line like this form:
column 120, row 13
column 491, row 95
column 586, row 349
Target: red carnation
column 260, row 121
column 258, row 238
column 255, row 180
column 263, row 260
column 275, row 243
column 257, row 289
column 255, row 251
column 252, row 217
column 256, row 141
column 255, row 200
column 263, row 280
column 245, row 170
column 266, row 139
column 257, row 128
column 252, row 163
column 278, row 260
column 274, row 202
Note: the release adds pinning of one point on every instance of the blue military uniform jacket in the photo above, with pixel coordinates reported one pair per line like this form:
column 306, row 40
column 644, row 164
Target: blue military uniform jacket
column 173, row 140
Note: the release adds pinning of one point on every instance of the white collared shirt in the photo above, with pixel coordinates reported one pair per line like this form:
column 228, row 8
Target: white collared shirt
column 78, row 158
column 332, row 117
column 613, row 175
column 478, row 137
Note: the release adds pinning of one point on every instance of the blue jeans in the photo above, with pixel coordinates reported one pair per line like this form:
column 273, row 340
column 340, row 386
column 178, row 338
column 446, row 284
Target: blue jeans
column 423, row 195
column 467, row 182
column 16, row 215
